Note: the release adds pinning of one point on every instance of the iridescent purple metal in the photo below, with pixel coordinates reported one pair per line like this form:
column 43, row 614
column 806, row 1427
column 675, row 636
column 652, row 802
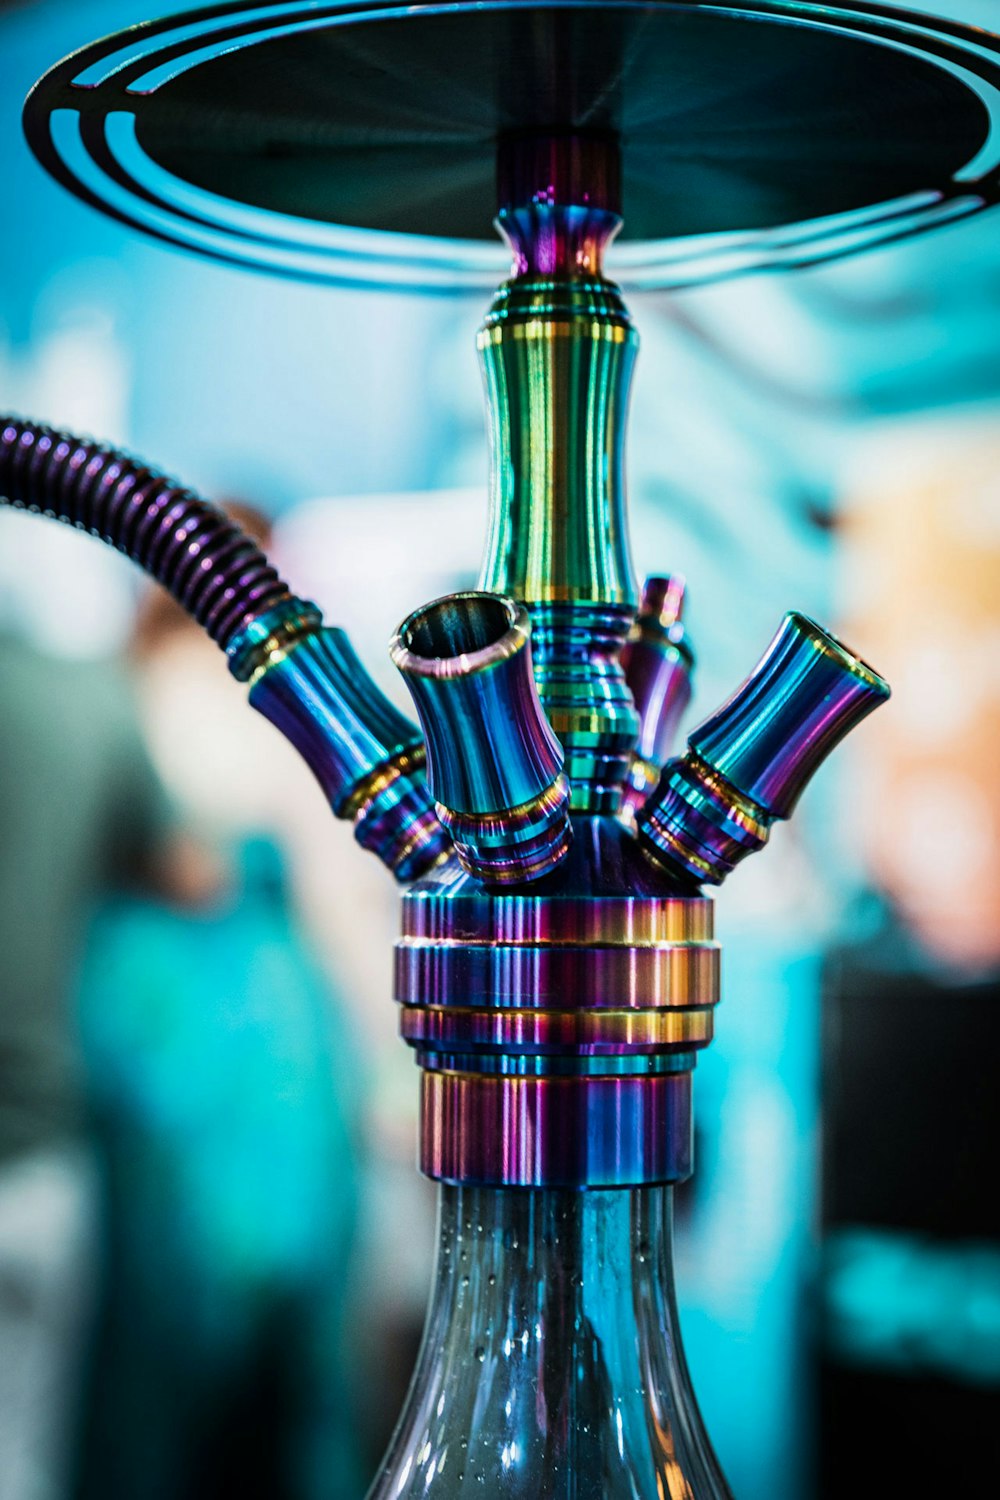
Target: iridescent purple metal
column 748, row 764
column 557, row 1027
column 210, row 566
column 365, row 754
column 306, row 679
column 557, row 1023
column 557, row 350
column 493, row 763
column 560, row 201
column 556, row 1132
column 657, row 660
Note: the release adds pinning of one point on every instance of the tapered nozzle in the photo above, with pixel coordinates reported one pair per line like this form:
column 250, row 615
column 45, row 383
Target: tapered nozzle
column 366, row 756
column 748, row 764
column 657, row 660
column 493, row 763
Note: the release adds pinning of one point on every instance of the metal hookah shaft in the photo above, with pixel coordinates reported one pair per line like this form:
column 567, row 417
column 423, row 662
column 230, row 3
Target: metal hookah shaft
column 556, row 990
column 556, row 1017
column 557, row 1007
column 557, row 351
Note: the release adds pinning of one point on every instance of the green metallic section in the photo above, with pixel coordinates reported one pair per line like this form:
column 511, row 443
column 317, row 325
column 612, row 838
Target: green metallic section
column 582, row 686
column 557, row 358
column 557, row 361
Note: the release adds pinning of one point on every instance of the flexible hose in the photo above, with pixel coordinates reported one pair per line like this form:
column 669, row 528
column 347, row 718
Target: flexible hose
column 304, row 677
column 207, row 563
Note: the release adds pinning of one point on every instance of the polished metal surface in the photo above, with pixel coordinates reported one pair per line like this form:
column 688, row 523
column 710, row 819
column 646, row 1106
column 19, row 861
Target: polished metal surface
column 557, row 1025
column 748, row 763
column 557, row 976
column 559, row 201
column 530, row 1131
column 807, row 691
column 657, row 660
column 365, row 754
column 557, row 356
column 494, row 767
column 324, row 140
column 557, row 351
column 269, row 636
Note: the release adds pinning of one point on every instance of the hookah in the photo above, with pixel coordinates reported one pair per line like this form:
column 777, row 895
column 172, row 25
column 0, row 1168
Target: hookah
column 557, row 973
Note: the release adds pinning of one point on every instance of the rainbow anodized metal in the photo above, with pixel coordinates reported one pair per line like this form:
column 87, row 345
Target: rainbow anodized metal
column 557, row 1025
column 558, row 1022
column 658, row 663
column 557, row 973
column 557, row 1011
column 557, row 352
column 747, row 765
column 494, row 766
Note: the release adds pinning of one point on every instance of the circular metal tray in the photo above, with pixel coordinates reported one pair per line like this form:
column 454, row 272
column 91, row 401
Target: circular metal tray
column 357, row 143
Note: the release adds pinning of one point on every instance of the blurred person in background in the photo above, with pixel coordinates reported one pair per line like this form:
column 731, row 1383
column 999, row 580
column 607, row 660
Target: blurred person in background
column 225, row 1088
column 80, row 807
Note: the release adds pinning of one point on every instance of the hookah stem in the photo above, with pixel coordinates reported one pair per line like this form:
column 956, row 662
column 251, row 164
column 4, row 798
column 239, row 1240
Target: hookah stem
column 557, row 351
column 558, row 1022
column 209, row 565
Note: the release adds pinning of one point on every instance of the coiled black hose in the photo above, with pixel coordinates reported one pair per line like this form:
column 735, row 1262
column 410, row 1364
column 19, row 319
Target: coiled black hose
column 207, row 563
column 367, row 757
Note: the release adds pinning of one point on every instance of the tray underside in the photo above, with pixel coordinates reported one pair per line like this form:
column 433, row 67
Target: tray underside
column 358, row 143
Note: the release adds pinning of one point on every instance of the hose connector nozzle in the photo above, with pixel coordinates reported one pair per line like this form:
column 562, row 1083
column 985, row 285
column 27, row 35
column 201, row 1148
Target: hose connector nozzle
column 748, row 764
column 493, row 763
column 306, row 678
column 658, row 661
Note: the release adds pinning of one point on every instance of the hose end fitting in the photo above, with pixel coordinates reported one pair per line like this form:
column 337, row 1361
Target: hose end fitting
column 658, row 661
column 269, row 637
column 493, row 763
column 748, row 764
column 395, row 818
column 366, row 756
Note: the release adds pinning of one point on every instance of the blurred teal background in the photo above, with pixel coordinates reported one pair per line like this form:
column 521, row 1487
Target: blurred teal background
column 770, row 418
